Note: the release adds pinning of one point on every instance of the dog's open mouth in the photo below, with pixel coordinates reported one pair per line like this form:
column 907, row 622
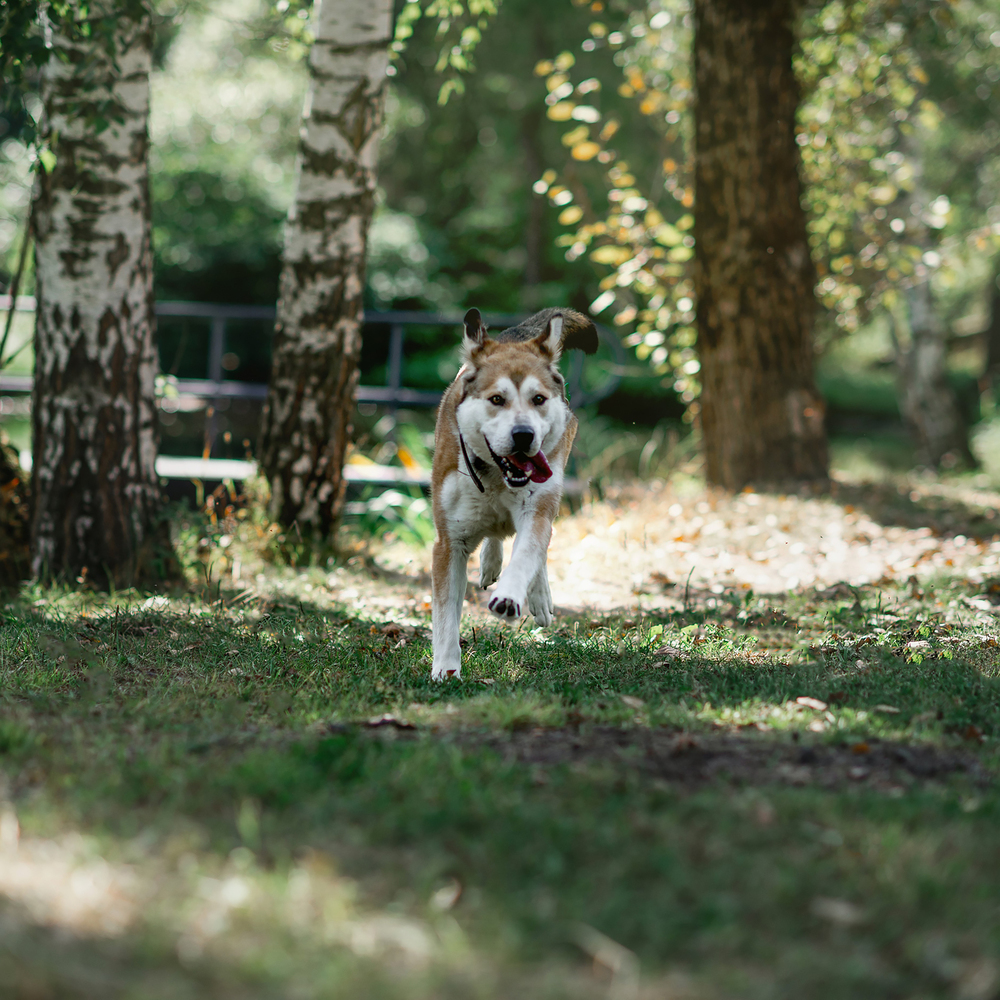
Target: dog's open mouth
column 518, row 469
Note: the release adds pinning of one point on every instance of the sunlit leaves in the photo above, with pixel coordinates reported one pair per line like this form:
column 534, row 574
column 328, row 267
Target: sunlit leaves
column 865, row 108
column 611, row 254
column 460, row 27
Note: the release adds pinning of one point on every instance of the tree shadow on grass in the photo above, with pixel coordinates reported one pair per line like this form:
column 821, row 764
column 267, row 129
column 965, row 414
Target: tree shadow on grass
column 908, row 507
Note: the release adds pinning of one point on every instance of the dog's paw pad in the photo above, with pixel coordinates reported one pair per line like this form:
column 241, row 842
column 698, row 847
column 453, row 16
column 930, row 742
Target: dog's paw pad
column 505, row 607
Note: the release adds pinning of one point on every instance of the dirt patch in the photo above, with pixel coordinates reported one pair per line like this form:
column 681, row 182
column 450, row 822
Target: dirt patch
column 648, row 546
column 691, row 760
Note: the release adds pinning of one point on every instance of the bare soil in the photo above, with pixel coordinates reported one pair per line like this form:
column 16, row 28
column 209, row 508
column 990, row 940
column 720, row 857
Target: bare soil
column 644, row 545
column 690, row 761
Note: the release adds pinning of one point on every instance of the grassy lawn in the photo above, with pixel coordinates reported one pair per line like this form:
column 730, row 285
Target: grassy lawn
column 245, row 797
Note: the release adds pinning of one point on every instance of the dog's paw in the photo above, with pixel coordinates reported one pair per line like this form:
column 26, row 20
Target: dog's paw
column 505, row 608
column 446, row 671
column 540, row 602
column 541, row 610
column 490, row 562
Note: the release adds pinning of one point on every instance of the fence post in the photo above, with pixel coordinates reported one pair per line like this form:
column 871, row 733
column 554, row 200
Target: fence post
column 394, row 371
column 216, row 348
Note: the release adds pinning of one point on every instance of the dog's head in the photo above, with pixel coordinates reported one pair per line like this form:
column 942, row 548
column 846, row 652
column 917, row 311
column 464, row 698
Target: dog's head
column 513, row 408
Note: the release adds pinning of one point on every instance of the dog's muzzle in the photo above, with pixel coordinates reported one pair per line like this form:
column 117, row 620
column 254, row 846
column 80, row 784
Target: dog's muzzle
column 519, row 469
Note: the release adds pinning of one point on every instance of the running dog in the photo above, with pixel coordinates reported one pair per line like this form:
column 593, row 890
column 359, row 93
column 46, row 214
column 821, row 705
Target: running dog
column 503, row 435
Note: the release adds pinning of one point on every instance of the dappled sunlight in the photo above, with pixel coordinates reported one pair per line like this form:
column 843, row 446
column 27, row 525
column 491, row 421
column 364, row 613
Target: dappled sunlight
column 64, row 883
column 205, row 907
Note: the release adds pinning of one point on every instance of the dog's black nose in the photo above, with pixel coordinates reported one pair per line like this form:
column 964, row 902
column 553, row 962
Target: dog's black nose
column 522, row 437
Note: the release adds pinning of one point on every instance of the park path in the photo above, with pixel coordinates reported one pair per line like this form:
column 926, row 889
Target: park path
column 643, row 544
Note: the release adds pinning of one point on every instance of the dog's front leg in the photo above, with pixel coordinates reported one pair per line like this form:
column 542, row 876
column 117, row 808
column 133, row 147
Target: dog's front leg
column 539, row 596
column 449, row 577
column 531, row 546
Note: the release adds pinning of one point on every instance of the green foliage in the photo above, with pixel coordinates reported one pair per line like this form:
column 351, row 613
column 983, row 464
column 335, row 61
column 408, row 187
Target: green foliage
column 460, row 27
column 225, row 111
column 34, row 31
column 891, row 134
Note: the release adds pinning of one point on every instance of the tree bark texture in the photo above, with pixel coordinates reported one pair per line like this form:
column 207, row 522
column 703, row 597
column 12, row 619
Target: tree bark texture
column 15, row 523
column 761, row 415
column 992, row 369
column 926, row 398
column 306, row 422
column 95, row 496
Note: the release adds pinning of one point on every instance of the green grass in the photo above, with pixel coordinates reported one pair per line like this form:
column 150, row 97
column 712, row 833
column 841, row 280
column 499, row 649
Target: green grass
column 215, row 760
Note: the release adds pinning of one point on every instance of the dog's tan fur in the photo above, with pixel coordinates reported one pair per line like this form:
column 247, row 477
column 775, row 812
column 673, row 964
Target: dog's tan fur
column 519, row 367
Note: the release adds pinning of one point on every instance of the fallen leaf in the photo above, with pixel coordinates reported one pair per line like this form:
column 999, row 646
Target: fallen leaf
column 861, row 748
column 837, row 911
column 670, row 652
column 887, row 709
column 973, row 733
column 389, row 720
column 635, row 703
column 763, row 813
column 815, row 703
column 447, row 896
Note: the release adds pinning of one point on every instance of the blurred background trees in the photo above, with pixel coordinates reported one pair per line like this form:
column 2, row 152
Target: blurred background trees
column 564, row 173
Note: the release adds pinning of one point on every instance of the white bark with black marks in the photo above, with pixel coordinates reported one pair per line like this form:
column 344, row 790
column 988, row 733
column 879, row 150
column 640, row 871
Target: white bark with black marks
column 94, row 486
column 307, row 416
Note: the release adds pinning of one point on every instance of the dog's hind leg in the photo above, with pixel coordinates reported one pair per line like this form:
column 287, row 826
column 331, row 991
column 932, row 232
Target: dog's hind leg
column 539, row 597
column 490, row 562
column 449, row 576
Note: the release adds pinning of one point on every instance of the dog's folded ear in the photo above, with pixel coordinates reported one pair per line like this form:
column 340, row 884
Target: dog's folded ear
column 580, row 333
column 567, row 329
column 475, row 331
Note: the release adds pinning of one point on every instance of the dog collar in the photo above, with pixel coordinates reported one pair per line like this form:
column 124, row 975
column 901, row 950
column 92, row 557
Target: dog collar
column 469, row 465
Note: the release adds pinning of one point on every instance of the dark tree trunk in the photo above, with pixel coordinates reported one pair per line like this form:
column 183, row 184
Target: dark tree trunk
column 15, row 525
column 306, row 423
column 95, row 495
column 761, row 415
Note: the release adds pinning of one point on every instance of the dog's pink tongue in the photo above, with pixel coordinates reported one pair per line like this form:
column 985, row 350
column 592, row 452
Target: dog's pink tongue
column 535, row 466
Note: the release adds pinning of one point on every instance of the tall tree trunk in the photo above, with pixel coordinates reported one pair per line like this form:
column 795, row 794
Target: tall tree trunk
column 992, row 369
column 15, row 524
column 95, row 496
column 926, row 398
column 761, row 415
column 307, row 417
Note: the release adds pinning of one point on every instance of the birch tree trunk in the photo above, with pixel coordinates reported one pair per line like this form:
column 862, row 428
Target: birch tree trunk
column 307, row 416
column 94, row 489
column 761, row 415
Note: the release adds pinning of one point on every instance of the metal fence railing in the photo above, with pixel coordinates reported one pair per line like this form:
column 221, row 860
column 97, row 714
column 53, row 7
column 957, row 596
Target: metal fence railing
column 216, row 387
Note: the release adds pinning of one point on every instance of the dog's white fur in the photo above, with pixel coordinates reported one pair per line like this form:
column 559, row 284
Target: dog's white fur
column 506, row 386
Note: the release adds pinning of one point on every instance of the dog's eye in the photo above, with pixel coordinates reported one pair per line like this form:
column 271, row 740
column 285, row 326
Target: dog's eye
column 497, row 400
column 539, row 399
